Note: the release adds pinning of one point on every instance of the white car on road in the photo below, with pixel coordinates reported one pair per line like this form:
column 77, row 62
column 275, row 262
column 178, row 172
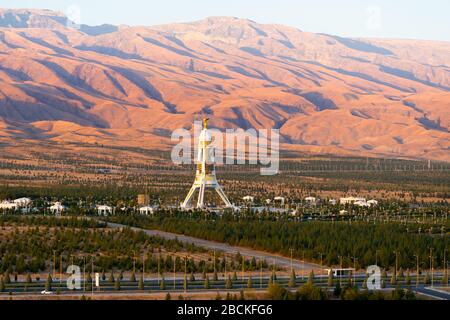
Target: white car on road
column 45, row 292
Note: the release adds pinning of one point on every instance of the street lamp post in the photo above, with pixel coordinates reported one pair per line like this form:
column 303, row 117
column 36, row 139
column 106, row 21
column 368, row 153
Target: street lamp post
column 84, row 273
column 445, row 267
column 354, row 270
column 243, row 269
column 143, row 267
column 292, row 254
column 261, row 274
column 60, row 270
column 134, row 262
column 396, row 263
column 54, row 264
column 303, row 265
column 174, row 274
column 417, row 269
column 159, row 266
column 431, row 267
column 185, row 275
column 214, row 262
column 92, row 282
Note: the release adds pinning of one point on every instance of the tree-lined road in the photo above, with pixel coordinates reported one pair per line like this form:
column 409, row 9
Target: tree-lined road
column 217, row 246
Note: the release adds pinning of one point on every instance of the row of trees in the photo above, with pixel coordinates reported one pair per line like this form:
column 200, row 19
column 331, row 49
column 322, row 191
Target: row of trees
column 37, row 244
column 358, row 244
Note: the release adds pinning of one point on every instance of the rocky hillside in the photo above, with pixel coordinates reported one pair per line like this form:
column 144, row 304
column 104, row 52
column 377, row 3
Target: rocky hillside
column 131, row 86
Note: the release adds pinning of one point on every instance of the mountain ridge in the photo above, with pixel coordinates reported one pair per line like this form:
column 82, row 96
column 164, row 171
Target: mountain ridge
column 370, row 97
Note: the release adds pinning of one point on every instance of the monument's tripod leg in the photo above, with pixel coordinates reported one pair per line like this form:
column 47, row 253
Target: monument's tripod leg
column 223, row 197
column 189, row 197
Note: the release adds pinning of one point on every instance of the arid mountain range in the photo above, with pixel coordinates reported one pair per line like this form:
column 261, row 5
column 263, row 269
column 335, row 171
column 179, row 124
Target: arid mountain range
column 131, row 86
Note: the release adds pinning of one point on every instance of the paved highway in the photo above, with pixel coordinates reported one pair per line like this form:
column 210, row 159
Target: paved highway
column 130, row 289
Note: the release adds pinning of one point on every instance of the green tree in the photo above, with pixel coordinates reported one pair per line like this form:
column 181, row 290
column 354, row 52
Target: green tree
column 398, row 294
column 273, row 278
column 393, row 279
column 192, row 277
column 277, row 292
column 48, row 283
column 311, row 278
column 185, row 283
column 133, row 277
column 215, row 276
column 111, row 278
column 401, row 274
column 427, row 279
column 337, row 290
column 384, row 274
column 206, row 283
column 330, row 279
column 89, row 282
column 250, row 282
column 229, row 283
column 350, row 279
column 162, row 284
column 364, row 284
column 6, row 277
column 292, row 280
column 117, row 285
column 204, row 273
column 351, row 293
column 2, row 285
column 141, row 283
column 408, row 278
column 311, row 292
column 445, row 277
column 28, row 279
column 410, row 295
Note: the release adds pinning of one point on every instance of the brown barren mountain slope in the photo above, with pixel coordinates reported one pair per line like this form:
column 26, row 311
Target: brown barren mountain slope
column 131, row 86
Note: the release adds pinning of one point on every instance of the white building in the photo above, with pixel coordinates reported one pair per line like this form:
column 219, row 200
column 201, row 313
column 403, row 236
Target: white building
column 351, row 200
column 282, row 200
column 23, row 202
column 104, row 210
column 362, row 204
column 249, row 199
column 147, row 210
column 311, row 200
column 6, row 205
column 57, row 208
column 333, row 202
column 373, row 203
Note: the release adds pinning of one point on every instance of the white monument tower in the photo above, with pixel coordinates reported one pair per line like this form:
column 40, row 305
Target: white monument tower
column 206, row 172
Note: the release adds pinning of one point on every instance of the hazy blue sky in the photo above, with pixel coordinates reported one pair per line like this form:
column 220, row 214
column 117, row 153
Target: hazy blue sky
column 417, row 19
